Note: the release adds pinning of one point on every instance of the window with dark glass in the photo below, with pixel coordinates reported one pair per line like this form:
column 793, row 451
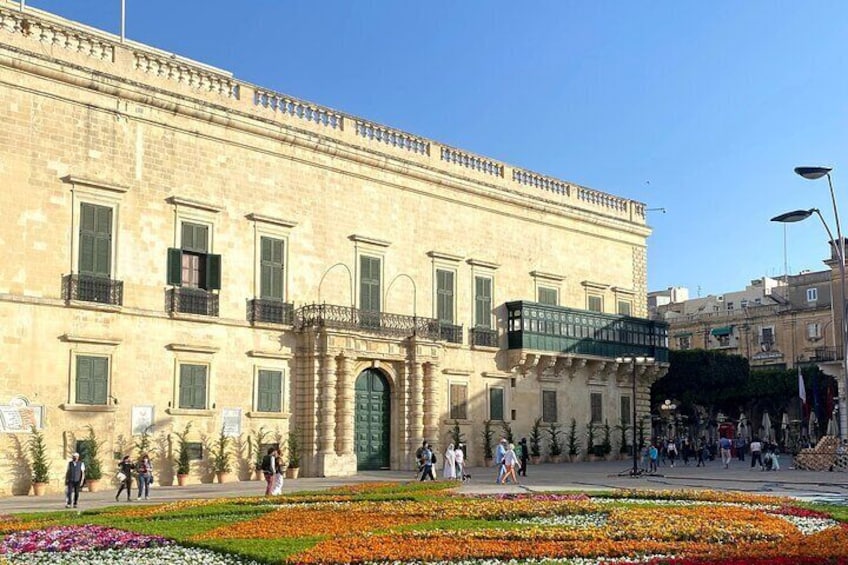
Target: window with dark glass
column 549, row 406
column 458, row 401
column 92, row 384
column 193, row 387
column 270, row 391
column 624, row 307
column 596, row 407
column 369, row 284
column 483, row 302
column 444, row 296
column 272, row 268
column 626, row 412
column 548, row 296
column 95, row 240
column 595, row 303
column 496, row 403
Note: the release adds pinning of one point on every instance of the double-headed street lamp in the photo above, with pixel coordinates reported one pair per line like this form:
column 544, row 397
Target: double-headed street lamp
column 814, row 173
column 635, row 361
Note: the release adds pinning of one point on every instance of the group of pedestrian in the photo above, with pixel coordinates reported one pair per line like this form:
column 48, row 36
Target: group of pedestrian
column 511, row 461
column 143, row 470
column 273, row 470
column 453, row 467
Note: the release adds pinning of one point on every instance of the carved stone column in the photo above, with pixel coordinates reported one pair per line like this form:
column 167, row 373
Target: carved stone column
column 327, row 413
column 401, row 416
column 416, row 406
column 431, row 405
column 344, row 406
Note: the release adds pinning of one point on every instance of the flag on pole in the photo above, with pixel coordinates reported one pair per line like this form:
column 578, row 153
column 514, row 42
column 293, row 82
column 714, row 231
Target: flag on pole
column 802, row 390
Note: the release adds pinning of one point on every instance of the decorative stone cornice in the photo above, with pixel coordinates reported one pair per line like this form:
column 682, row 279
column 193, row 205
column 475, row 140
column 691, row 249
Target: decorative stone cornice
column 188, row 348
column 547, row 276
column 259, row 218
column 112, row 341
column 91, row 183
column 444, row 256
column 369, row 240
column 481, row 263
column 595, row 285
column 269, row 354
column 189, row 203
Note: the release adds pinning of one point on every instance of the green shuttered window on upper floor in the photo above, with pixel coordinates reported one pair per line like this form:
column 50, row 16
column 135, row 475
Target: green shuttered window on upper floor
column 269, row 391
column 369, row 283
column 483, row 302
column 445, row 296
column 95, row 240
column 193, row 385
column 272, row 268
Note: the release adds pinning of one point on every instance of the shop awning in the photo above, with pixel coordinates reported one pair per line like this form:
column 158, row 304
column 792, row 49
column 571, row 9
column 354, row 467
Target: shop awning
column 724, row 330
column 682, row 334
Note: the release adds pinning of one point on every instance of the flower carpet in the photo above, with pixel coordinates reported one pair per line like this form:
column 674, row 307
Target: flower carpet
column 431, row 523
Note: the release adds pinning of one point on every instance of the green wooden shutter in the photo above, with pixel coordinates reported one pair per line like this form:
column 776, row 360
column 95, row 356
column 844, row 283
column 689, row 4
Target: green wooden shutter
column 549, row 406
column 195, row 237
column 270, row 391
column 483, row 302
column 548, row 296
column 369, row 284
column 192, row 386
column 99, row 380
column 496, row 404
column 213, row 272
column 272, row 268
column 444, row 296
column 84, row 371
column 95, row 241
column 175, row 267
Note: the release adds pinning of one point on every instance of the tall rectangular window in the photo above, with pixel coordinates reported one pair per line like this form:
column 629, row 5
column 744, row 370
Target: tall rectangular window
column 624, row 307
column 547, row 295
column 270, row 391
column 626, row 411
column 369, row 283
column 192, row 265
column 193, row 386
column 483, row 302
column 272, row 268
column 549, row 406
column 595, row 303
column 496, row 403
column 812, row 294
column 458, row 401
column 596, row 405
column 814, row 331
column 92, row 384
column 444, row 296
column 95, row 240
column 767, row 338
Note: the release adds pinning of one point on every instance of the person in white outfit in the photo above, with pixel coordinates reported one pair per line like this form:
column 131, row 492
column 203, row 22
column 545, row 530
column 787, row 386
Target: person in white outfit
column 459, row 459
column 450, row 463
column 279, row 475
column 511, row 462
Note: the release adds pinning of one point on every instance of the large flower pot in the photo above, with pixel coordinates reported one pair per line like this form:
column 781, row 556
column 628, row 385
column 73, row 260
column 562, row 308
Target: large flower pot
column 292, row 472
column 258, row 475
column 93, row 485
column 181, row 480
column 223, row 476
column 535, row 459
column 556, row 458
column 38, row 489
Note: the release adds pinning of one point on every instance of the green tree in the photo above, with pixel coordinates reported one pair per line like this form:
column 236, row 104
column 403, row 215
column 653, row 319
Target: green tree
column 488, row 435
column 91, row 455
column 536, row 438
column 456, row 434
column 573, row 440
column 554, row 446
column 38, row 457
column 183, row 463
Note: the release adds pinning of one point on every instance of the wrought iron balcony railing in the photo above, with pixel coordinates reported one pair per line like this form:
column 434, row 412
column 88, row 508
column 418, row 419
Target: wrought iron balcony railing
column 827, row 353
column 484, row 337
column 187, row 300
column 450, row 332
column 270, row 311
column 346, row 317
column 555, row 328
column 89, row 288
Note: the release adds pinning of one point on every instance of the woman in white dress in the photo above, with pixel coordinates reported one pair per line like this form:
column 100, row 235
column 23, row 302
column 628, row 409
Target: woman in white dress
column 278, row 477
column 450, row 463
column 459, row 459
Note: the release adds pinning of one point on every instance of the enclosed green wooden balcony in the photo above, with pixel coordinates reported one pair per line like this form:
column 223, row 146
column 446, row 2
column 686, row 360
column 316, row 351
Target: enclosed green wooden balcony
column 542, row 327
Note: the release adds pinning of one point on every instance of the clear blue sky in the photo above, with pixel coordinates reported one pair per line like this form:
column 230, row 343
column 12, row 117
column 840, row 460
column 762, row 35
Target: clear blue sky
column 703, row 108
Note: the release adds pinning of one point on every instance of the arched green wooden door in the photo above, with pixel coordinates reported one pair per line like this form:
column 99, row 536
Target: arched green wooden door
column 372, row 420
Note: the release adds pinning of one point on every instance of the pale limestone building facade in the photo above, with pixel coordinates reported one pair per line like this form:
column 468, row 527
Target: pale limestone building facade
column 179, row 246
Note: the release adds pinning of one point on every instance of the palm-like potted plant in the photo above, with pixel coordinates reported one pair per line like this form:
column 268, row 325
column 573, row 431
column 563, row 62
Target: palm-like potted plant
column 91, row 459
column 536, row 441
column 591, row 433
column 573, row 442
column 256, row 441
column 293, row 451
column 554, row 446
column 507, row 431
column 221, row 457
column 182, row 461
column 623, row 446
column 456, row 434
column 488, row 435
column 38, row 462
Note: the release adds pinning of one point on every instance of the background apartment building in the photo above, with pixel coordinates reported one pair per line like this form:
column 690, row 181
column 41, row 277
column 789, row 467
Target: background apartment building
column 183, row 247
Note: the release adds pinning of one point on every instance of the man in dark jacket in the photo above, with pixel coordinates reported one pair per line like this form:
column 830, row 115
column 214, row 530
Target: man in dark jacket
column 74, row 478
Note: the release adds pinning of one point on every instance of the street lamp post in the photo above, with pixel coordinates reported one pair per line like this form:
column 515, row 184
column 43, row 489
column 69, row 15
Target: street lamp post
column 814, row 173
column 667, row 409
column 634, row 361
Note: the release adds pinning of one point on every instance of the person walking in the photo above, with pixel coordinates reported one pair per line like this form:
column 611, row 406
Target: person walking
column 74, row 478
column 757, row 453
column 510, row 462
column 500, row 451
column 523, row 456
column 724, row 445
column 279, row 470
column 449, row 471
column 426, row 463
column 653, row 455
column 125, row 469
column 740, row 448
column 671, row 450
column 269, row 469
column 703, row 454
column 144, row 476
column 459, row 461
